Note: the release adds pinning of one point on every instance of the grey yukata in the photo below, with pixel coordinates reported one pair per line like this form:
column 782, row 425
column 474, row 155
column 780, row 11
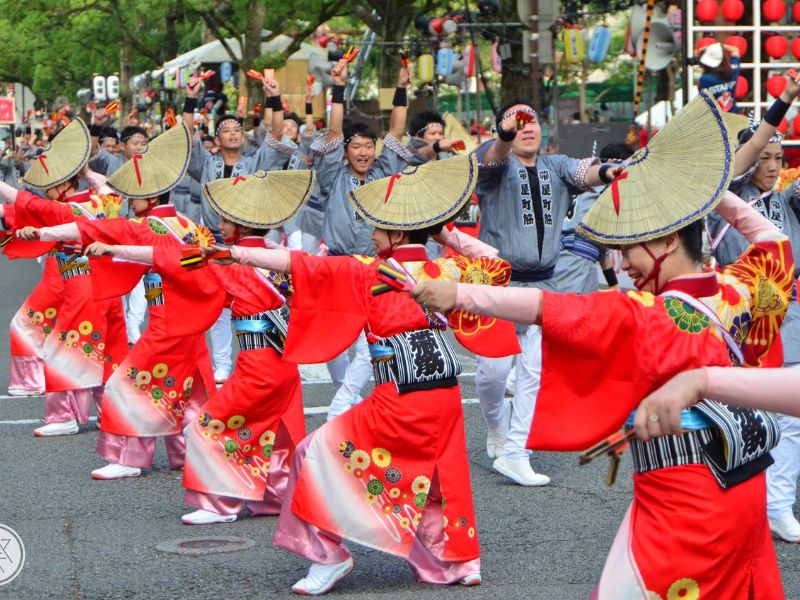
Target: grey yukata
column 205, row 166
column 576, row 269
column 522, row 210
column 343, row 230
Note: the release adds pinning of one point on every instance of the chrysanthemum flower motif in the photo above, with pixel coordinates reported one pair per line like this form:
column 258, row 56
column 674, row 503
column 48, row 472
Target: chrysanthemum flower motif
column 268, row 437
column 382, row 457
column 360, row 459
column 370, row 498
column 394, row 493
column 405, row 523
column 375, row 487
column 236, row 421
column 216, row 426
column 421, row 485
column 160, row 370
column 684, row 589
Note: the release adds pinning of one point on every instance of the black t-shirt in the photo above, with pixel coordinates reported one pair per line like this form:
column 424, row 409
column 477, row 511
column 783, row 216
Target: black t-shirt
column 536, row 201
column 227, row 170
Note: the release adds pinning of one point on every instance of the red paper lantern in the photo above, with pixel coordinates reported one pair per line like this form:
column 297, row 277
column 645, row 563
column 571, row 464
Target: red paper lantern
column 776, row 46
column 796, row 43
column 775, row 85
column 796, row 12
column 742, row 87
column 773, row 10
column 784, row 126
column 732, row 10
column 707, row 10
column 739, row 42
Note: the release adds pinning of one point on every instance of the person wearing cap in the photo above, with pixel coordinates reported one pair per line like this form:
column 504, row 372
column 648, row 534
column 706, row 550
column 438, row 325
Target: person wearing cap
column 523, row 198
column 720, row 74
column 380, row 474
column 164, row 379
column 344, row 160
column 228, row 161
column 62, row 328
column 697, row 526
column 239, row 451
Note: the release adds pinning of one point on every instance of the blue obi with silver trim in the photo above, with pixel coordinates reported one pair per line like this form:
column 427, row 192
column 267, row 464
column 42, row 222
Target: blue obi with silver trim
column 264, row 330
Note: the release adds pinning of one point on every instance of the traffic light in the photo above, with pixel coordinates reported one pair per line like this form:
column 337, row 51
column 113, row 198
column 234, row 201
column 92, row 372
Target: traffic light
column 99, row 87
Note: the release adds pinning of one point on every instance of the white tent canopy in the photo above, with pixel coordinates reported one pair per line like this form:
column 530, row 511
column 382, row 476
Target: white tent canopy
column 214, row 52
column 660, row 112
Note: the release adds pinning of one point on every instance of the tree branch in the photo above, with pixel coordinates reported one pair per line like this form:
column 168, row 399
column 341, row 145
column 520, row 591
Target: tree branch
column 212, row 25
column 129, row 36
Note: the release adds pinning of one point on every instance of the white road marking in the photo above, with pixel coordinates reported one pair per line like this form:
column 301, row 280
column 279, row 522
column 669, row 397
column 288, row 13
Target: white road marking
column 307, row 378
column 309, row 411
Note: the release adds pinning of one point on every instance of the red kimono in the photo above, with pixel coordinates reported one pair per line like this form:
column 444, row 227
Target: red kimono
column 257, row 415
column 147, row 395
column 87, row 341
column 684, row 535
column 371, row 474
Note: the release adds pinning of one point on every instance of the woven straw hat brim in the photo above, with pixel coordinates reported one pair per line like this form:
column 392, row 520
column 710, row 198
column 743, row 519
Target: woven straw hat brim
column 162, row 163
column 418, row 197
column 454, row 130
column 678, row 178
column 63, row 157
column 735, row 123
column 261, row 200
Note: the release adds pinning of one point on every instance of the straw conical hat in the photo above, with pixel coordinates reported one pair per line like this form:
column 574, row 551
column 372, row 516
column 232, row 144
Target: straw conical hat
column 158, row 167
column 454, row 130
column 63, row 157
column 261, row 200
column 418, row 197
column 735, row 123
column 678, row 178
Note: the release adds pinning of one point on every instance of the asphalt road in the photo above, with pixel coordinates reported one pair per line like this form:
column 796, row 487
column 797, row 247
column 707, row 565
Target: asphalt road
column 87, row 539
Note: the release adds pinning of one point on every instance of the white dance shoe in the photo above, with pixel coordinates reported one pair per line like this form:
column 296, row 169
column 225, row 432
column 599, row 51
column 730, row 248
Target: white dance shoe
column 786, row 527
column 520, row 471
column 115, row 471
column 321, row 578
column 25, row 393
column 471, row 580
column 52, row 429
column 206, row 517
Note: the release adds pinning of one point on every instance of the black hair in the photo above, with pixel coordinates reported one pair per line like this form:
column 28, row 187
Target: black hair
column 108, row 132
column 130, row 131
column 224, row 118
column 615, row 152
column 513, row 102
column 691, row 238
column 259, row 232
column 207, row 138
column 355, row 128
column 421, row 120
column 745, row 135
column 420, row 236
column 163, row 198
column 292, row 116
